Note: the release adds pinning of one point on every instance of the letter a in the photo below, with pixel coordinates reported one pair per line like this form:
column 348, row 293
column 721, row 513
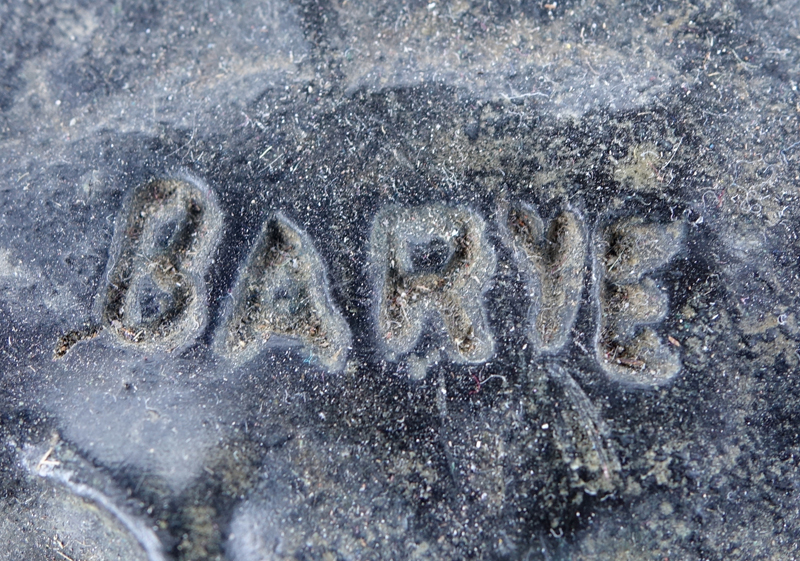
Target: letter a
column 282, row 297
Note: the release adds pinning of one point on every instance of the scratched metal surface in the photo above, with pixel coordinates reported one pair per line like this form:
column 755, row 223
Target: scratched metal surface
column 399, row 280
